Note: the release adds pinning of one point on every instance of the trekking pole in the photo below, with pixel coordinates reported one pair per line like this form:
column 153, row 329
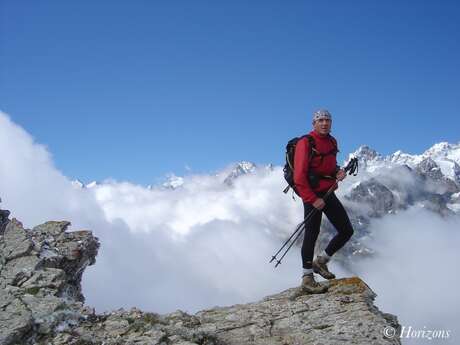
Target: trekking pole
column 278, row 262
column 307, row 218
column 304, row 223
column 352, row 169
column 299, row 227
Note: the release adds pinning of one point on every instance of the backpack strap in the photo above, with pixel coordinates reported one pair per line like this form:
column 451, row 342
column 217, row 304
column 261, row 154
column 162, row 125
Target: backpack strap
column 312, row 146
column 314, row 151
column 334, row 142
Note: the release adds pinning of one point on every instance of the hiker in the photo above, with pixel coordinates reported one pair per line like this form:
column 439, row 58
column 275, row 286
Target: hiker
column 316, row 171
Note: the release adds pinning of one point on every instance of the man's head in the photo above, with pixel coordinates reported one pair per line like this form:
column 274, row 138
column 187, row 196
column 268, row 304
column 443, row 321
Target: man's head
column 322, row 121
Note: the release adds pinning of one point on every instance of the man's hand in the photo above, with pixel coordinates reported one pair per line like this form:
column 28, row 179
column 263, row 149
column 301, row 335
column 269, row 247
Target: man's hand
column 319, row 204
column 341, row 174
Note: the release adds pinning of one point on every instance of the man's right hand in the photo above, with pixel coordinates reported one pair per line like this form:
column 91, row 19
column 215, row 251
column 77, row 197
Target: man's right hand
column 319, row 204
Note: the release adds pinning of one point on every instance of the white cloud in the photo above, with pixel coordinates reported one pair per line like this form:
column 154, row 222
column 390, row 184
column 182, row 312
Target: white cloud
column 31, row 186
column 201, row 245
column 207, row 244
column 415, row 273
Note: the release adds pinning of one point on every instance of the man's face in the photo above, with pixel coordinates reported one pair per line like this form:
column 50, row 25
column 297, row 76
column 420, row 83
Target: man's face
column 322, row 126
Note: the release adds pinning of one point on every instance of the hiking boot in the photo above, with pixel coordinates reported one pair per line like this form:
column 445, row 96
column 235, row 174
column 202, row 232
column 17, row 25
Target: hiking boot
column 319, row 266
column 310, row 285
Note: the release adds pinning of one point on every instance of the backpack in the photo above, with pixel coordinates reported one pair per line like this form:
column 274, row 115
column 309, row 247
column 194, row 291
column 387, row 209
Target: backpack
column 289, row 166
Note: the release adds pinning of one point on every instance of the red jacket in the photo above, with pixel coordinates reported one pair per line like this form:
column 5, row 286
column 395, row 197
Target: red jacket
column 326, row 166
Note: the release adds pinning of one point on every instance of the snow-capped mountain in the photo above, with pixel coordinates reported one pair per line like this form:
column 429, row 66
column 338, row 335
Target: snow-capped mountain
column 240, row 169
column 390, row 184
column 446, row 158
column 431, row 179
column 385, row 185
column 173, row 182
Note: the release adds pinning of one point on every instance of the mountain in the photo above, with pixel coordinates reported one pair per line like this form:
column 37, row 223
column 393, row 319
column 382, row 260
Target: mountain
column 240, row 169
column 41, row 269
column 389, row 184
column 42, row 303
column 431, row 179
column 173, row 182
column 445, row 156
column 385, row 185
column 230, row 175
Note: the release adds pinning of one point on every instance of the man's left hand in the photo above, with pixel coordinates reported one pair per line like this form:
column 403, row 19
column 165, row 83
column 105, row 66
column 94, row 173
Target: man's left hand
column 341, row 174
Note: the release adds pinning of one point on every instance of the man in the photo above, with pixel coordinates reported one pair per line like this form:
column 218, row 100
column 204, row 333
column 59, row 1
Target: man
column 315, row 172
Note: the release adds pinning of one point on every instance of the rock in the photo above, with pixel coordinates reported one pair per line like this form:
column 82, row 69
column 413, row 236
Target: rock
column 430, row 170
column 41, row 303
column 376, row 195
column 17, row 243
column 52, row 228
column 41, row 294
column 4, row 214
column 51, row 278
column 278, row 319
column 15, row 318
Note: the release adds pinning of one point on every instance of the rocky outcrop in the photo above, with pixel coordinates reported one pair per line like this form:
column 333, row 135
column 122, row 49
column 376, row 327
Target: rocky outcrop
column 40, row 275
column 41, row 303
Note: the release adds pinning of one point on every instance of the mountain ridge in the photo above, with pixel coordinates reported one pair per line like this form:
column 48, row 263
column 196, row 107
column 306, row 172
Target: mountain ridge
column 445, row 155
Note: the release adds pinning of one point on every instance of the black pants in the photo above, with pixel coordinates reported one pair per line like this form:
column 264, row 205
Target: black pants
column 337, row 215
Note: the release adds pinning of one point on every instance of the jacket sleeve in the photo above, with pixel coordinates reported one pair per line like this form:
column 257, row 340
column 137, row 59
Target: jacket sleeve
column 301, row 162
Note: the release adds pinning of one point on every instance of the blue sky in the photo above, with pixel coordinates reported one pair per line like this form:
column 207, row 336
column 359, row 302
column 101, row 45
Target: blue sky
column 135, row 90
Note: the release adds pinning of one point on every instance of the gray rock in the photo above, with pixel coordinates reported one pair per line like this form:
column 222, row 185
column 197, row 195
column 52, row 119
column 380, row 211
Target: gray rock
column 15, row 318
column 17, row 243
column 432, row 174
column 377, row 196
column 41, row 303
column 429, row 168
column 35, row 301
column 4, row 214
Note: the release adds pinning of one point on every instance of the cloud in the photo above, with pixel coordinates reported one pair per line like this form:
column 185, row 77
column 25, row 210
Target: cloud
column 207, row 243
column 30, row 184
column 414, row 271
column 201, row 245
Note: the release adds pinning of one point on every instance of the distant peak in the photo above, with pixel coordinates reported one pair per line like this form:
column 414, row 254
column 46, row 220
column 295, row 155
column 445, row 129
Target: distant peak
column 366, row 153
column 441, row 149
column 241, row 168
column 245, row 166
column 173, row 182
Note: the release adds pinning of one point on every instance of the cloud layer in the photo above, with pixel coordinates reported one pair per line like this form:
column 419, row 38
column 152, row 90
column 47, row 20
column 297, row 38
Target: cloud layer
column 201, row 245
column 208, row 243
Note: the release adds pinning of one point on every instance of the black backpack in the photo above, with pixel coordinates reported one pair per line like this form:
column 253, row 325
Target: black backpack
column 289, row 166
